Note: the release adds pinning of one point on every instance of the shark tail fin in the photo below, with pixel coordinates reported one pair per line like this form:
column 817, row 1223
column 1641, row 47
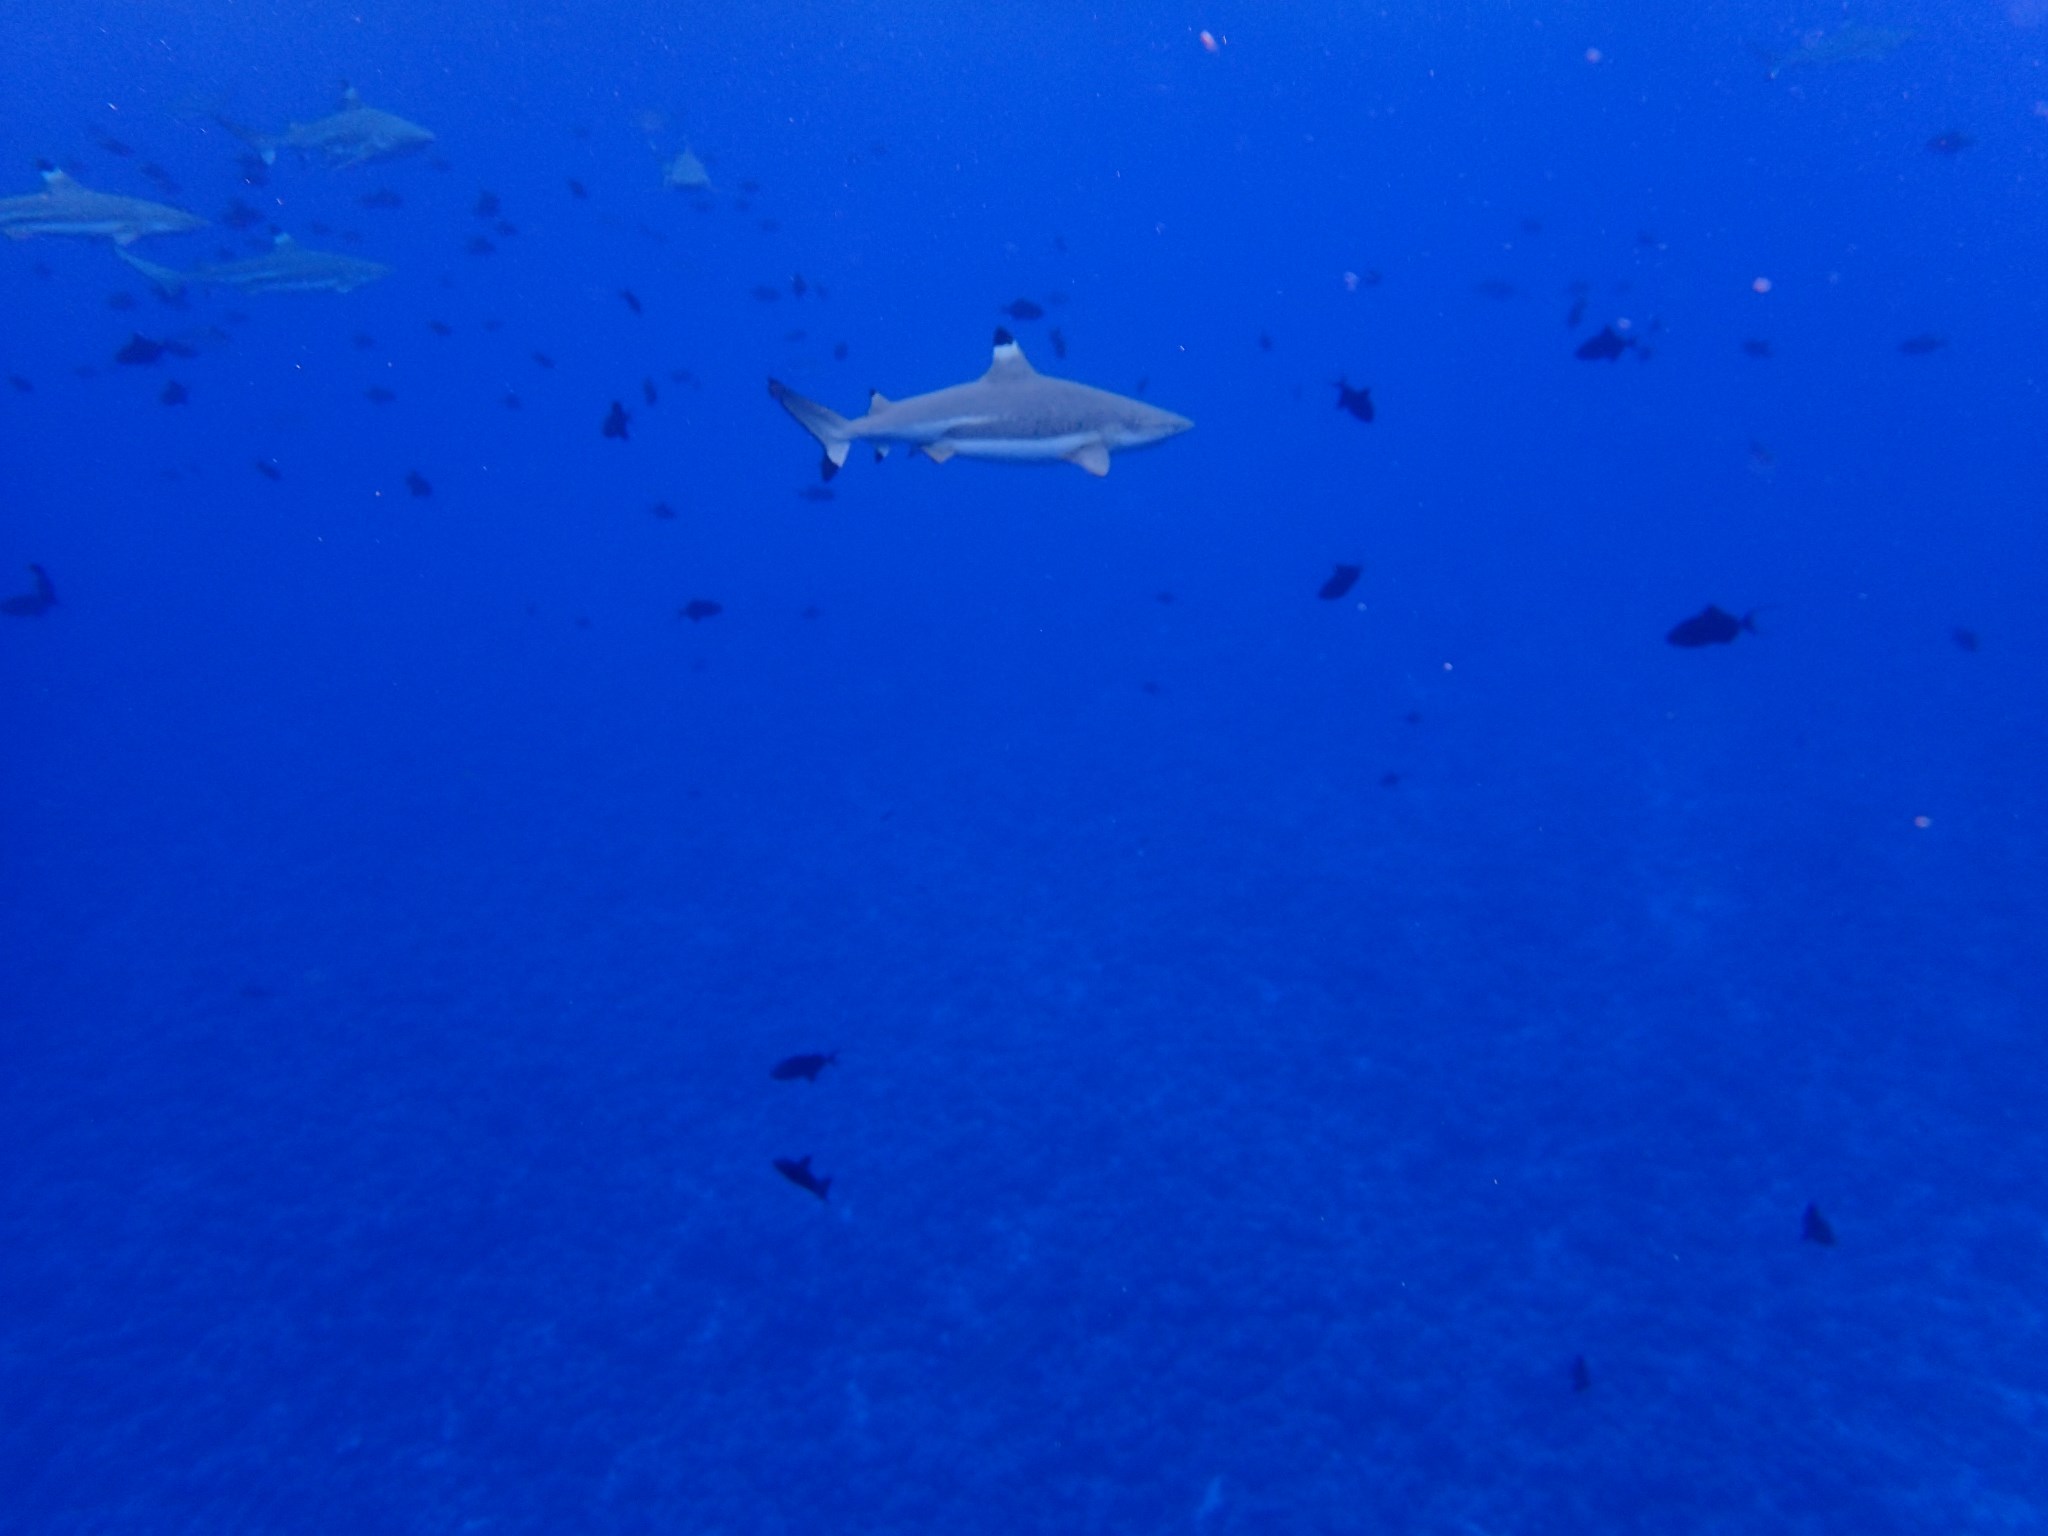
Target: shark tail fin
column 266, row 148
column 170, row 283
column 832, row 430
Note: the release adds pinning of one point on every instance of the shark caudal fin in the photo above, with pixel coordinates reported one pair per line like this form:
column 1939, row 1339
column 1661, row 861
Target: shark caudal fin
column 832, row 430
column 265, row 147
column 169, row 282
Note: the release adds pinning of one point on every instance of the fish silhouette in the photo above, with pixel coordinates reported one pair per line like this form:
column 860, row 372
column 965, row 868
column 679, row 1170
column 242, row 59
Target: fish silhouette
column 807, row 1067
column 1342, row 580
column 1814, row 1227
column 1710, row 626
column 798, row 1172
column 615, row 422
column 32, row 605
column 1358, row 402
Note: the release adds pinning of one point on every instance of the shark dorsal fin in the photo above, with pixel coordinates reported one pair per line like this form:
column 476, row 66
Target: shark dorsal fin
column 56, row 180
column 876, row 400
column 1009, row 362
column 351, row 98
column 281, row 241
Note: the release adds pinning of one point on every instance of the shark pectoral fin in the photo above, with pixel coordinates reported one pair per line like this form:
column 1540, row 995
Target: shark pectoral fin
column 1093, row 457
column 881, row 452
column 938, row 452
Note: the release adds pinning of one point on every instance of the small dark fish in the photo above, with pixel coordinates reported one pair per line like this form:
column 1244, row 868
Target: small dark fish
column 632, row 299
column 480, row 245
column 1265, row 342
column 417, row 483
column 577, row 189
column 796, row 335
column 1966, row 638
column 1022, row 309
column 364, row 341
column 616, row 421
column 764, row 294
column 113, row 146
column 664, row 511
column 377, row 394
column 268, row 469
column 121, row 299
column 511, row 401
column 798, row 1172
column 140, row 351
column 818, row 493
column 1150, row 689
column 1710, row 626
column 811, row 611
column 173, row 393
column 1923, row 344
column 1341, row 581
column 440, row 328
column 698, row 609
column 543, row 359
column 486, row 206
column 1413, row 717
column 32, row 605
column 240, row 215
column 1164, row 599
column 1950, row 143
column 682, row 376
column 1605, row 347
column 1059, row 342
column 383, row 197
column 1532, row 226
column 1814, row 1227
column 1576, row 313
column 159, row 175
column 1582, row 1374
column 1358, row 402
column 648, row 391
column 1757, row 348
column 1495, row 288
column 1142, row 385
column 1389, row 780
column 839, row 351
column 21, row 385
column 798, row 286
column 506, row 228
column 805, row 1067
column 770, row 226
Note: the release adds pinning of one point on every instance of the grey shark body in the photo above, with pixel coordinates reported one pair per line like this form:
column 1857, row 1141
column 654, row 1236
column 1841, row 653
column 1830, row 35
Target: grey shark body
column 1012, row 413
column 64, row 207
column 349, row 135
column 287, row 267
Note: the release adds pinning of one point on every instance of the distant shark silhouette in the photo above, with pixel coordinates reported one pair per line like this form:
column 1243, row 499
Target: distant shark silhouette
column 287, row 267
column 64, row 207
column 349, row 135
column 1012, row 412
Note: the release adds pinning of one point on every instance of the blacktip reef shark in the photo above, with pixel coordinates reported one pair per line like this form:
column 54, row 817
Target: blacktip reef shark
column 287, row 267
column 1849, row 44
column 1012, row 412
column 351, row 134
column 63, row 207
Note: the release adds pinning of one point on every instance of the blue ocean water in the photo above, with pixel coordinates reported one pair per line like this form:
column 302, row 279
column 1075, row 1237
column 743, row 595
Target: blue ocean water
column 1276, row 1037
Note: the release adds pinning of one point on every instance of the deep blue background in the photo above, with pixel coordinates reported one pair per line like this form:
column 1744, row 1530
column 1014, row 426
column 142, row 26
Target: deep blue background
column 402, row 906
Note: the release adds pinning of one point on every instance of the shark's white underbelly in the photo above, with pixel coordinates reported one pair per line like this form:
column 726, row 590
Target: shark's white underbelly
column 1026, row 449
